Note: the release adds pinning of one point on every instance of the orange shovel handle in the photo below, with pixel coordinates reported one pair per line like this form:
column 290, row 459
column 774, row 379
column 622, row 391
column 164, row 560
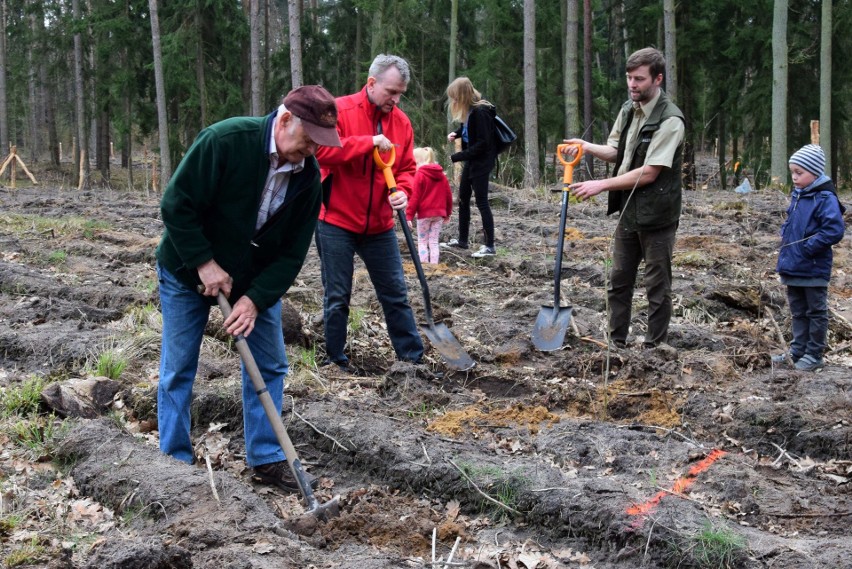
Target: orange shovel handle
column 568, row 173
column 386, row 166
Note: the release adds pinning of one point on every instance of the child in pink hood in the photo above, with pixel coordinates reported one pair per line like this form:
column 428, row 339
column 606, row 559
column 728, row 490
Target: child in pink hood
column 431, row 201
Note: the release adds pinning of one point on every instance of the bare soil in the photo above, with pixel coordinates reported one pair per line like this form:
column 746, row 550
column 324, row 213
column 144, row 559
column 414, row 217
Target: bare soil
column 701, row 454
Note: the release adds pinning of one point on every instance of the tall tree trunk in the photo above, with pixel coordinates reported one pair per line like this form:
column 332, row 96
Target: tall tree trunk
column 587, row 81
column 454, row 36
column 671, row 48
column 33, row 92
column 102, row 143
column 377, row 29
column 778, row 166
column 531, row 167
column 81, row 160
column 825, row 73
column 4, row 112
column 359, row 27
column 451, row 75
column 254, row 58
column 127, row 146
column 625, row 51
column 723, row 147
column 49, row 116
column 294, row 16
column 162, row 120
column 200, row 77
column 570, row 75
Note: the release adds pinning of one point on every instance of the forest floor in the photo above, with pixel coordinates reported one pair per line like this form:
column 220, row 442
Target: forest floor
column 704, row 454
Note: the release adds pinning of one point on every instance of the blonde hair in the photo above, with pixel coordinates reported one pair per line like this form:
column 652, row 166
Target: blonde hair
column 424, row 155
column 463, row 96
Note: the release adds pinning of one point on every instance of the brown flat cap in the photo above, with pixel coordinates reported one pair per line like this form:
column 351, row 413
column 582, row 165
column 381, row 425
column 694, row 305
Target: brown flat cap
column 318, row 111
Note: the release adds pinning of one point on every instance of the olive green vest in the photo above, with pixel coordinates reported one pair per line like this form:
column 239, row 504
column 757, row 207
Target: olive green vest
column 657, row 204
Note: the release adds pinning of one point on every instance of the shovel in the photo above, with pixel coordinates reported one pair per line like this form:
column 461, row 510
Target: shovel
column 322, row 512
column 440, row 336
column 553, row 321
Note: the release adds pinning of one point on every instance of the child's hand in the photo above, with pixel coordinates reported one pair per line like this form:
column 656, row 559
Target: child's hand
column 411, row 225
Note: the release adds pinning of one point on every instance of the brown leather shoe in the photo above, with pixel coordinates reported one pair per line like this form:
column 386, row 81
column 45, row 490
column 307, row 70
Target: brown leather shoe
column 279, row 474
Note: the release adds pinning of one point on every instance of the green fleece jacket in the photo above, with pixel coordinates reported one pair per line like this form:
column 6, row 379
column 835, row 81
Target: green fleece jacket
column 210, row 209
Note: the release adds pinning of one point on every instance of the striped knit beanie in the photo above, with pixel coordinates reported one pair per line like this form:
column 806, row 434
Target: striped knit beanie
column 811, row 158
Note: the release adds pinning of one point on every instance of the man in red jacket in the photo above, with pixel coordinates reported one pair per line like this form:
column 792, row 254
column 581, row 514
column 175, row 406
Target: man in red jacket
column 357, row 215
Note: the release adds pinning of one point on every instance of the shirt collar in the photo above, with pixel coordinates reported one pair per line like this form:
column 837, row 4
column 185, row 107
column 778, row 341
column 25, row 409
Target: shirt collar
column 273, row 150
column 648, row 108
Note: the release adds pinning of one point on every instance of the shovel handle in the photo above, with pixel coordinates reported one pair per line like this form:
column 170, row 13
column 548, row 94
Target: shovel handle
column 271, row 412
column 568, row 172
column 409, row 240
column 386, row 167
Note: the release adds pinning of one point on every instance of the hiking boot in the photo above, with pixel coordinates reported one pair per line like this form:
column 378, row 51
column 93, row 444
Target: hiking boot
column 782, row 358
column 809, row 363
column 484, row 251
column 279, row 474
column 455, row 244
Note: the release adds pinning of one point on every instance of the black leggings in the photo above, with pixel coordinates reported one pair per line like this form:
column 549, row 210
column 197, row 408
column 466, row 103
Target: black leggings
column 478, row 186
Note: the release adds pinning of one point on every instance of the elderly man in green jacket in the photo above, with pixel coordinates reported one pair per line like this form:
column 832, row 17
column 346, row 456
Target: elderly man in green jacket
column 239, row 214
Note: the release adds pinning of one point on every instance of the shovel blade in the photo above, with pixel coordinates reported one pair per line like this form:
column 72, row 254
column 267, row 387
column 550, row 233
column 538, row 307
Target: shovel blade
column 326, row 511
column 449, row 348
column 550, row 327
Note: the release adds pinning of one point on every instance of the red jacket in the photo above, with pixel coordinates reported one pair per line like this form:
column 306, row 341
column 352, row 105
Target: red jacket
column 355, row 195
column 431, row 195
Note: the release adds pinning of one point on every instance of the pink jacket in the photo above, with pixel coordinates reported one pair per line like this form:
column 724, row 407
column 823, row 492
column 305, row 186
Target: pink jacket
column 431, row 195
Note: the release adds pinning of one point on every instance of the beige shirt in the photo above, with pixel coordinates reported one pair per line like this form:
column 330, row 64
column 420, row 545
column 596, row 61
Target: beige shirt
column 663, row 145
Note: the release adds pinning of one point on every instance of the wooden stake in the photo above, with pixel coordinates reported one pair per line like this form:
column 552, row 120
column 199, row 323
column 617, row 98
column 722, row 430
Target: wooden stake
column 10, row 161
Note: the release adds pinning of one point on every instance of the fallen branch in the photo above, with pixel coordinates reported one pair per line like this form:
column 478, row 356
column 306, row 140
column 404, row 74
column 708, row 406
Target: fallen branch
column 782, row 455
column 593, row 341
column 449, row 560
column 831, row 515
column 840, row 348
column 326, row 435
column 494, row 501
column 780, row 335
column 664, row 429
column 842, row 319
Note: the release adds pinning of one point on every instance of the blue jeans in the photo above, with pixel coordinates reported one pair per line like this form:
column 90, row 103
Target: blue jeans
column 809, row 311
column 380, row 252
column 185, row 314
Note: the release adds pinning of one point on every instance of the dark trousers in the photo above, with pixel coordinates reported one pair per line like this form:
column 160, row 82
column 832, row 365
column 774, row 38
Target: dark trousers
column 809, row 310
column 630, row 247
column 478, row 186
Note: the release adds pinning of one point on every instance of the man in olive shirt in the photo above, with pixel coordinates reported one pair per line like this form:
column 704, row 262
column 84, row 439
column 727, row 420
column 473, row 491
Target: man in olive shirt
column 646, row 145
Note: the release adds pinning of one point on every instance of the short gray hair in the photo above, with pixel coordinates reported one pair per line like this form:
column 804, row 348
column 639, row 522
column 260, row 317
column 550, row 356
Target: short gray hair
column 383, row 62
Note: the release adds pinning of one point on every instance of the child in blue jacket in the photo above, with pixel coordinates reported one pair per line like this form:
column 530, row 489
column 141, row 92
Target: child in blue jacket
column 814, row 223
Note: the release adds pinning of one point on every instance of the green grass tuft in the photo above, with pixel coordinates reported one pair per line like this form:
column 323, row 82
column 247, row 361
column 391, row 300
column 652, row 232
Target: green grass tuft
column 110, row 364
column 22, row 400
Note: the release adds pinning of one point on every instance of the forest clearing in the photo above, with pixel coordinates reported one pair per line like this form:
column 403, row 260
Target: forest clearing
column 704, row 454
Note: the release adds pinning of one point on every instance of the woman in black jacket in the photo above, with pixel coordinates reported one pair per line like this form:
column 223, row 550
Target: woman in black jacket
column 479, row 154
